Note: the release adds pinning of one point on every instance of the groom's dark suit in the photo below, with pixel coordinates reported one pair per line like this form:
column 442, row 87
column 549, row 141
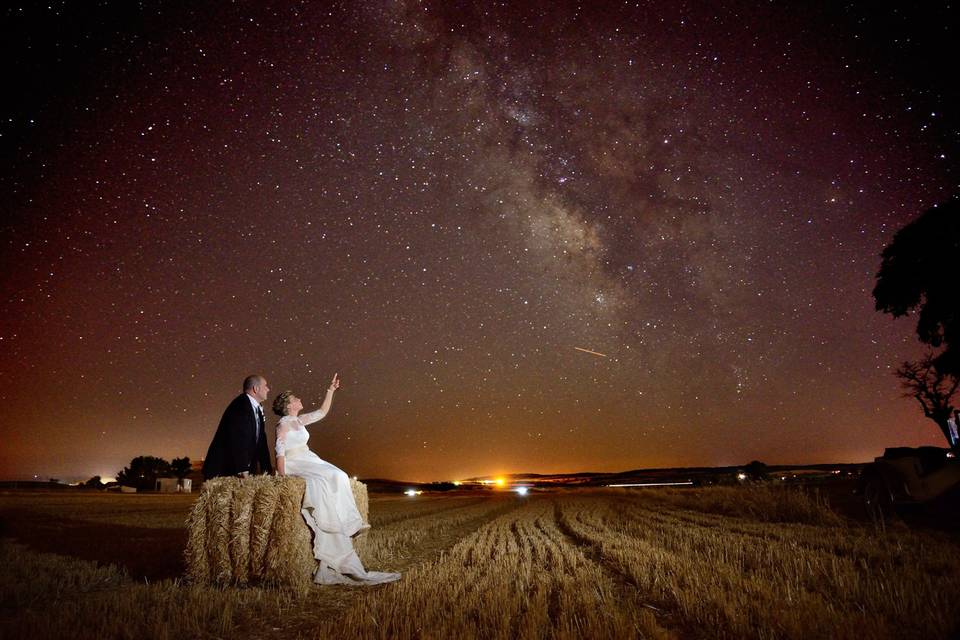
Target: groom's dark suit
column 236, row 447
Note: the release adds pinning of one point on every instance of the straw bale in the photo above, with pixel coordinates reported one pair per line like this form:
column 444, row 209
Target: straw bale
column 218, row 530
column 360, row 542
column 251, row 531
column 261, row 521
column 289, row 559
column 361, row 498
column 241, row 514
column 198, row 566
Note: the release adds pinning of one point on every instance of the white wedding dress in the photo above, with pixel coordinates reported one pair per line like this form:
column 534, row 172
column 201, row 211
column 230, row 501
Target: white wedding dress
column 328, row 506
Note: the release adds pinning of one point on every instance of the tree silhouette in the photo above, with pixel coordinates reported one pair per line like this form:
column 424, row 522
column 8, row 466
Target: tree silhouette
column 180, row 468
column 920, row 271
column 756, row 470
column 143, row 472
column 932, row 388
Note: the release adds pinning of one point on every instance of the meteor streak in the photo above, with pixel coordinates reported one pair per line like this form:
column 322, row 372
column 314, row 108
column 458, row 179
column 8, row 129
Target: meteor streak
column 594, row 353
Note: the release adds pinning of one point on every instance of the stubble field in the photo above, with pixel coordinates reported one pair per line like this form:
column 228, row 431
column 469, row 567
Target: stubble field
column 767, row 562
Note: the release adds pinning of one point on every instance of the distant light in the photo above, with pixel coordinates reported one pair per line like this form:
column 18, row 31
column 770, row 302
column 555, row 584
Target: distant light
column 653, row 484
column 950, row 454
column 410, row 492
column 354, row 477
column 521, row 490
column 457, row 483
column 741, row 476
column 500, row 482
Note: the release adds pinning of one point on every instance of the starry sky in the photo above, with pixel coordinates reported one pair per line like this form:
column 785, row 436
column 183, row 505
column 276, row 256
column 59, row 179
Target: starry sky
column 450, row 204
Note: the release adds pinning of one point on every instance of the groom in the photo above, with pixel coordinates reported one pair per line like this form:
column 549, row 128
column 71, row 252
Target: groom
column 239, row 446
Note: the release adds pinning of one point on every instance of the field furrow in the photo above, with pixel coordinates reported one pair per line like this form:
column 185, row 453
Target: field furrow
column 516, row 576
column 861, row 544
column 400, row 509
column 740, row 585
column 396, row 544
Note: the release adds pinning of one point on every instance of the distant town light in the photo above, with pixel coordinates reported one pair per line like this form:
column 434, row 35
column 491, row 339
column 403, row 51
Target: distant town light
column 412, row 492
column 521, row 490
column 501, row 482
column 457, row 483
column 741, row 476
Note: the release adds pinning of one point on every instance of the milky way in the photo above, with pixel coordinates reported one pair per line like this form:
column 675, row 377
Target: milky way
column 451, row 204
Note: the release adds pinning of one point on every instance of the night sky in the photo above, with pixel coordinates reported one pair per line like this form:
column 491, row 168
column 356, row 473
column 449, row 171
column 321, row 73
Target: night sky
column 450, row 204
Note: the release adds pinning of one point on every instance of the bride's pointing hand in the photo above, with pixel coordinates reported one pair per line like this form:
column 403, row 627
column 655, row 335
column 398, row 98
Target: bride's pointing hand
column 328, row 399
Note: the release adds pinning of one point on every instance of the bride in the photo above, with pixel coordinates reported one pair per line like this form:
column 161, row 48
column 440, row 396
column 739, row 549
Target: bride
column 328, row 503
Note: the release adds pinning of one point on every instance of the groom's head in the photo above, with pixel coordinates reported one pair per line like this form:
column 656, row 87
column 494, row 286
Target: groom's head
column 257, row 387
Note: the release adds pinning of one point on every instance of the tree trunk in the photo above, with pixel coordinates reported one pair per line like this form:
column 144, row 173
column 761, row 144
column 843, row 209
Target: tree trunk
column 945, row 428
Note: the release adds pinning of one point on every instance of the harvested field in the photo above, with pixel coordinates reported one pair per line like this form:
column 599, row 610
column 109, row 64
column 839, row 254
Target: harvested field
column 704, row 563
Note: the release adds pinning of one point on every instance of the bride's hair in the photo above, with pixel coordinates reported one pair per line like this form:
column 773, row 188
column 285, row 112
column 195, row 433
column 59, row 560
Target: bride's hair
column 281, row 402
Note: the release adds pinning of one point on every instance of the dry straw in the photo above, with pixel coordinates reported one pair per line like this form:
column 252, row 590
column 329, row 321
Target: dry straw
column 260, row 525
column 362, row 541
column 578, row 564
column 251, row 531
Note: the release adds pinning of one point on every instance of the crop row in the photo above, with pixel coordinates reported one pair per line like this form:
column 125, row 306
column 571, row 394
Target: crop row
column 517, row 576
column 749, row 579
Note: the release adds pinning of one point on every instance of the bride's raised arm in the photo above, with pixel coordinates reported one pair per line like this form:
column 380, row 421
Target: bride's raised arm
column 319, row 414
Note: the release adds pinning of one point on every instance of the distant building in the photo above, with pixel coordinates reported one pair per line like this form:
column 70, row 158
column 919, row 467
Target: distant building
column 173, row 485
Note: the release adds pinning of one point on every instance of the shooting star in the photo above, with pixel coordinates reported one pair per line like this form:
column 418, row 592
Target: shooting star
column 593, row 353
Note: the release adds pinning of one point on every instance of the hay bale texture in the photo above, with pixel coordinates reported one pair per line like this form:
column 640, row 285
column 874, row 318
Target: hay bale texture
column 363, row 506
column 250, row 531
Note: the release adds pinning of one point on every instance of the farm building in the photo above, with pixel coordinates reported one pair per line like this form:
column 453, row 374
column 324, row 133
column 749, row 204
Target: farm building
column 172, row 485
